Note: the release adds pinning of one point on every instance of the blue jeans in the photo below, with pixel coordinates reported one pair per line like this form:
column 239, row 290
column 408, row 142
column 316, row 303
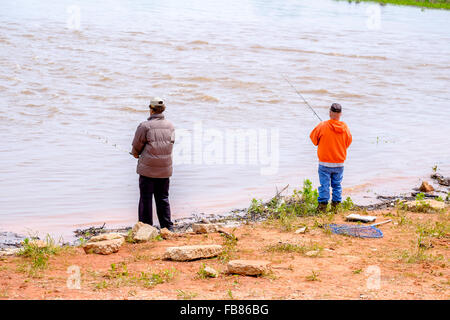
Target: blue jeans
column 335, row 175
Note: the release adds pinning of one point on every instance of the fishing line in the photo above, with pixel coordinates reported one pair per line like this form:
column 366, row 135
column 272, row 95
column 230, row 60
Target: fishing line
column 287, row 80
column 106, row 141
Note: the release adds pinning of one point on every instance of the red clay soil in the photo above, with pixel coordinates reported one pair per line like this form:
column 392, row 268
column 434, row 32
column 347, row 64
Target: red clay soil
column 346, row 267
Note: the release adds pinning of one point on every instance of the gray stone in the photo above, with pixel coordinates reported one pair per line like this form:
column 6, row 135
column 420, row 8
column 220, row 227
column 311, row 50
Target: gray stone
column 166, row 234
column 313, row 253
column 204, row 227
column 187, row 253
column 434, row 204
column 9, row 252
column 142, row 232
column 248, row 267
column 104, row 244
column 210, row 272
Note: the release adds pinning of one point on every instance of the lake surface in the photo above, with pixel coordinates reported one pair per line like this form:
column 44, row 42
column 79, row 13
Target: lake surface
column 76, row 78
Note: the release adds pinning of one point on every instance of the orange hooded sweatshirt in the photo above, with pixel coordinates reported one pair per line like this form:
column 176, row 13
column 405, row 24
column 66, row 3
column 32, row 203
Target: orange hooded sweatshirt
column 333, row 138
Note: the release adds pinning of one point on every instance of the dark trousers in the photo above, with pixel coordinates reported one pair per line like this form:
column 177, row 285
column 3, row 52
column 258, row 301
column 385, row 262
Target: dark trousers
column 160, row 188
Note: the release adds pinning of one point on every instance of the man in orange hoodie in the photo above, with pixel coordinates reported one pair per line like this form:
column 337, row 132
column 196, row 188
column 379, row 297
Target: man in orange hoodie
column 332, row 138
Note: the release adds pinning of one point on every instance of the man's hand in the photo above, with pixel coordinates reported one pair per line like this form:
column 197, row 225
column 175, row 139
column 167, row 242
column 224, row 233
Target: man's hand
column 134, row 155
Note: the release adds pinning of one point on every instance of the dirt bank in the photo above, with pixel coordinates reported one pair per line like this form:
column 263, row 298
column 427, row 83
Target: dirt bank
column 409, row 262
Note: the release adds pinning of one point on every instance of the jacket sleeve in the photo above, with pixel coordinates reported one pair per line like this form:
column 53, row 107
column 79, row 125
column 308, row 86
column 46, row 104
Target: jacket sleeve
column 172, row 137
column 315, row 134
column 139, row 141
column 349, row 138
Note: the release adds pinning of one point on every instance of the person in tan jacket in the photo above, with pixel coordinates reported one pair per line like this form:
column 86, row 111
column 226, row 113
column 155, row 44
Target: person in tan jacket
column 332, row 137
column 153, row 145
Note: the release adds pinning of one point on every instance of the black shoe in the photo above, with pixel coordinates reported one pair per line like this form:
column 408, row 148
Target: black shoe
column 322, row 207
column 334, row 206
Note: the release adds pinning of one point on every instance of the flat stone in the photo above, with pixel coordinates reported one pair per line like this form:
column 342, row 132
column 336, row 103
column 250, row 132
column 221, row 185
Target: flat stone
column 313, row 253
column 187, row 253
column 142, row 232
column 204, row 227
column 9, row 252
column 104, row 244
column 248, row 267
column 166, row 234
column 106, row 236
column 300, row 230
column 38, row 243
column 434, row 204
column 210, row 272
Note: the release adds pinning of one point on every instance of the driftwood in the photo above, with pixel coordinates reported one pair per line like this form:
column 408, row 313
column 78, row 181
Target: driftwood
column 278, row 194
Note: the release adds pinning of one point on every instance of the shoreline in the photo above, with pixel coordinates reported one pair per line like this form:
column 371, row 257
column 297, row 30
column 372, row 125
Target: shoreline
column 235, row 217
column 444, row 5
column 304, row 259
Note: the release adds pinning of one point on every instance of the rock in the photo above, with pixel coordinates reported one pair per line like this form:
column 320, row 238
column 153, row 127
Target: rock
column 300, row 230
column 104, row 244
column 9, row 252
column 38, row 243
column 105, row 236
column 187, row 253
column 313, row 253
column 248, row 267
column 142, row 232
column 434, row 204
column 204, row 227
column 426, row 187
column 166, row 234
column 210, row 272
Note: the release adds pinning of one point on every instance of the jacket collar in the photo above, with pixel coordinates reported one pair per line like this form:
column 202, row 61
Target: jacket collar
column 156, row 116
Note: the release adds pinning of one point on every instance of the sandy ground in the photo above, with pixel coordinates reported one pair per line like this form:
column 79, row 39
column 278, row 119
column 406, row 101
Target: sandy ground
column 345, row 268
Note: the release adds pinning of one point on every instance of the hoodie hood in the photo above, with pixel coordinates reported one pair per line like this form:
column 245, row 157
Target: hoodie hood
column 337, row 126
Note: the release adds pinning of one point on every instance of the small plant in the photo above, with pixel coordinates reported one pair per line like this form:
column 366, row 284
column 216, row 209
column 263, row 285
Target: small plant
column 101, row 285
column 256, row 207
column 314, row 276
column 436, row 230
column 347, row 204
column 186, row 295
column 229, row 245
column 230, row 294
column 402, row 219
column 82, row 241
column 153, row 279
column 202, row 274
column 401, row 206
column 117, row 271
column 420, row 196
column 288, row 247
column 129, row 237
column 38, row 254
column 358, row 271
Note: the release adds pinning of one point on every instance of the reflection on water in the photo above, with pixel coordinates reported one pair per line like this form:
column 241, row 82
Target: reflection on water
column 71, row 99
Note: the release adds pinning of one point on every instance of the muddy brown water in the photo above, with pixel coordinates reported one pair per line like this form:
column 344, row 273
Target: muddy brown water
column 75, row 81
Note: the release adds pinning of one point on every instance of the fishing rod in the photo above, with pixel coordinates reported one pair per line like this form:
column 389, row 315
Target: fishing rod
column 287, row 80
